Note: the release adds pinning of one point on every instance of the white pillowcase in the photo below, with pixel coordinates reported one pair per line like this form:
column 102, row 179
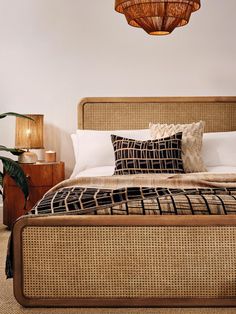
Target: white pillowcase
column 75, row 146
column 219, row 149
column 107, row 171
column 94, row 148
column 222, row 169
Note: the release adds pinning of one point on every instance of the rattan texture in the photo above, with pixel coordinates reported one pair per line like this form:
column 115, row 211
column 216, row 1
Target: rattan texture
column 129, row 262
column 157, row 17
column 123, row 115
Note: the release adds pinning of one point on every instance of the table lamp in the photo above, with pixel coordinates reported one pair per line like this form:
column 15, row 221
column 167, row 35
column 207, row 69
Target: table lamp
column 29, row 135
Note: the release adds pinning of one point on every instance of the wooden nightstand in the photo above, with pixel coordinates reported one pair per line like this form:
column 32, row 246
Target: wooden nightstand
column 41, row 177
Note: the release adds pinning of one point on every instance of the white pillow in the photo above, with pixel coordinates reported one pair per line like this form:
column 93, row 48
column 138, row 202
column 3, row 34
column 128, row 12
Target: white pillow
column 219, row 149
column 106, row 171
column 221, row 169
column 94, row 148
column 75, row 146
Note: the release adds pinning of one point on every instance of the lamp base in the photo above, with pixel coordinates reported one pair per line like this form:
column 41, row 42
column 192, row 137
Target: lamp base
column 28, row 158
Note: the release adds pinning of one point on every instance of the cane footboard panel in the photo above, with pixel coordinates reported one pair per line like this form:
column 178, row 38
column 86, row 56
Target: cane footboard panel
column 125, row 261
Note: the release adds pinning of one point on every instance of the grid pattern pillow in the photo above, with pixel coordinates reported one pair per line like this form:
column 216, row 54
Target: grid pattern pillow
column 158, row 156
column 191, row 142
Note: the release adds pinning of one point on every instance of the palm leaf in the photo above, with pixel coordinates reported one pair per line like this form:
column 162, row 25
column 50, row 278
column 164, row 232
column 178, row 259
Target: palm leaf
column 13, row 169
column 3, row 115
column 13, row 151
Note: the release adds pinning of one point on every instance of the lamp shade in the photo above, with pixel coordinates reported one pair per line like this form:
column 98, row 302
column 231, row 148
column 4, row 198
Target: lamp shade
column 29, row 133
column 157, row 17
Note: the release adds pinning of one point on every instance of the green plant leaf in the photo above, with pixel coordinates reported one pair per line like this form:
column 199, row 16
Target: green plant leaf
column 3, row 115
column 13, row 151
column 13, row 169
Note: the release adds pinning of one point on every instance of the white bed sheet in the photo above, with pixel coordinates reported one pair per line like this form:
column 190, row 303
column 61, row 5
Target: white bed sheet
column 109, row 170
column 222, row 169
column 97, row 172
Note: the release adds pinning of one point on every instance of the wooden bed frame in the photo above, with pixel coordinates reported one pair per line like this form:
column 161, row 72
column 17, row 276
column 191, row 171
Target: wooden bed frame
column 106, row 261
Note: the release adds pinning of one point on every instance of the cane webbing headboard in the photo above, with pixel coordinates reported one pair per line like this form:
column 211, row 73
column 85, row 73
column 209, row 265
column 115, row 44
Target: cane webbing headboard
column 219, row 113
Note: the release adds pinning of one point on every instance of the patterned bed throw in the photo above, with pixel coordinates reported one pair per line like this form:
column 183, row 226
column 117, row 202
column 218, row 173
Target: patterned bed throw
column 144, row 194
column 137, row 201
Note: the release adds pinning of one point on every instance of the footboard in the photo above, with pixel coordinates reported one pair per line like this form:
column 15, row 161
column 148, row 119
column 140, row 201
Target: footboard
column 125, row 261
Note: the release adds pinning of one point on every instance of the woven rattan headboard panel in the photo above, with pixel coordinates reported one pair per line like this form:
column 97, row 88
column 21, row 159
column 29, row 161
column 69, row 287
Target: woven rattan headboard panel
column 219, row 113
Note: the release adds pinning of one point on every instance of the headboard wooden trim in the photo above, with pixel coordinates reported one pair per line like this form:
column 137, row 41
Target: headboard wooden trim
column 106, row 113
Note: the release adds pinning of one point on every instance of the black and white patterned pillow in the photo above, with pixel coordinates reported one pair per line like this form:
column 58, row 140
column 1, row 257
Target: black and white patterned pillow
column 153, row 156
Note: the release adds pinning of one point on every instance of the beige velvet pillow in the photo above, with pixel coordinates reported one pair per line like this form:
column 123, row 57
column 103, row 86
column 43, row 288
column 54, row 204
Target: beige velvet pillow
column 191, row 142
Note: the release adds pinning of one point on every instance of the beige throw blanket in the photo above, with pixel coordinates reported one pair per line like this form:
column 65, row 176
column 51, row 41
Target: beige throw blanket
column 180, row 181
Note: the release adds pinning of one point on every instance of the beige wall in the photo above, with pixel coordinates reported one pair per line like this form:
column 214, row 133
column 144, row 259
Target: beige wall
column 54, row 52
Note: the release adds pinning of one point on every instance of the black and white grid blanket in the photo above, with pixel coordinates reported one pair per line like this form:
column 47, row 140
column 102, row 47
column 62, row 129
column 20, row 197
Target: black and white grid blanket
column 137, row 201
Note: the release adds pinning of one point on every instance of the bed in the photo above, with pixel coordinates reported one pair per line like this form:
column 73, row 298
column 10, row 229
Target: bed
column 118, row 261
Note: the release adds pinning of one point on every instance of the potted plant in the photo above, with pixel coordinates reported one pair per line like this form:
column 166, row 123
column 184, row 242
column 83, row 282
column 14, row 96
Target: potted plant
column 11, row 167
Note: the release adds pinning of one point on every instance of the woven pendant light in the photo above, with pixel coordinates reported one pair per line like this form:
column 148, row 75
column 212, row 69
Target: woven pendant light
column 157, row 17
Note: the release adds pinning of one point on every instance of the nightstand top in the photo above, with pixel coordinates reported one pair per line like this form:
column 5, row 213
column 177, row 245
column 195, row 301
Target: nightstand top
column 42, row 162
